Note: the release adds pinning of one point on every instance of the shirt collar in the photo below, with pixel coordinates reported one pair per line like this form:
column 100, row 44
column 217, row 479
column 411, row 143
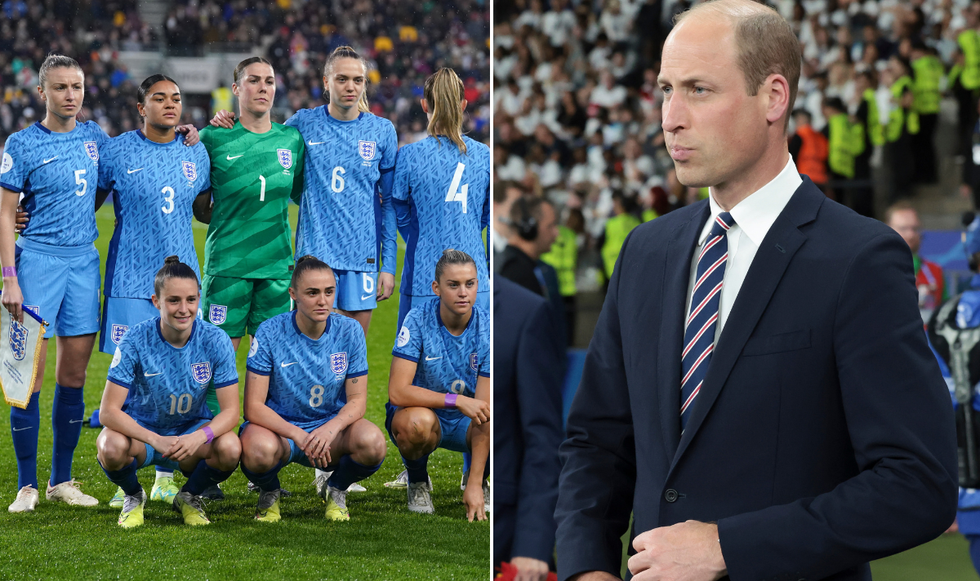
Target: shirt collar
column 756, row 213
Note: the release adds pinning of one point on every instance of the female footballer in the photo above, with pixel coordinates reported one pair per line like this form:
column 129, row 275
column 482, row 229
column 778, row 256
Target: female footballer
column 153, row 406
column 306, row 394
column 439, row 386
column 53, row 267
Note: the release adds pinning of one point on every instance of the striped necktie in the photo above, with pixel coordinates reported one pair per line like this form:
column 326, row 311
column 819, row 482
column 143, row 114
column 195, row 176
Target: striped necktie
column 699, row 337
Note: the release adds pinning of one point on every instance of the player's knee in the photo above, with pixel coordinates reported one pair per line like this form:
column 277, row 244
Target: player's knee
column 227, row 450
column 113, row 450
column 260, row 454
column 370, row 447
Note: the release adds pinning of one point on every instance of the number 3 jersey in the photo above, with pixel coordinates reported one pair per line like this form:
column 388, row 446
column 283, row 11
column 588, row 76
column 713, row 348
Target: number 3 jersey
column 168, row 386
column 58, row 173
column 442, row 199
column 307, row 377
column 342, row 219
column 446, row 363
column 253, row 177
column 153, row 189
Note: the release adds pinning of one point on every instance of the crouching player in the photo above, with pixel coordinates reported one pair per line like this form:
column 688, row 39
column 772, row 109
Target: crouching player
column 154, row 409
column 439, row 387
column 306, row 394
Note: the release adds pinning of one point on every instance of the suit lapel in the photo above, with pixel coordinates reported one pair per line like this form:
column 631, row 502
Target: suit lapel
column 773, row 257
column 675, row 280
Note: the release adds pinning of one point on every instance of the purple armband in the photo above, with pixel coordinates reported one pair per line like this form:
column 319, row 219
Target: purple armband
column 207, row 432
column 451, row 400
column 9, row 271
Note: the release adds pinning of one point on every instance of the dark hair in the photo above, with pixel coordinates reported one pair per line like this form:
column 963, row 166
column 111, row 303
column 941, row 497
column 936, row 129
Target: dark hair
column 305, row 263
column 173, row 268
column 452, row 256
column 240, row 69
column 54, row 61
column 149, row 82
column 346, row 52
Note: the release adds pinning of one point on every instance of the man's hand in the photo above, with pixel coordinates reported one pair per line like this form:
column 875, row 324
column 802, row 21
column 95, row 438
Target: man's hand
column 190, row 134
column 473, row 499
column 529, row 569
column 687, row 551
column 594, row 576
column 224, row 119
column 386, row 285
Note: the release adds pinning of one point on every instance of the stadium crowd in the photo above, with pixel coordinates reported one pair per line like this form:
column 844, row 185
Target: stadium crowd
column 577, row 109
column 403, row 46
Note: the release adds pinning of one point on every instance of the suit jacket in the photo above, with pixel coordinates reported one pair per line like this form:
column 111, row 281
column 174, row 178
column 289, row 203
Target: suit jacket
column 822, row 437
column 527, row 394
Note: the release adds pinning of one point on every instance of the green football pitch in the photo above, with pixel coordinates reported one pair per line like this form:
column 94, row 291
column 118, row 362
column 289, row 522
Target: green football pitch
column 382, row 541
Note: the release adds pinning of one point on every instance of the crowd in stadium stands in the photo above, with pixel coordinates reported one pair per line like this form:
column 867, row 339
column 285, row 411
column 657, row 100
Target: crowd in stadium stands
column 404, row 44
column 577, row 108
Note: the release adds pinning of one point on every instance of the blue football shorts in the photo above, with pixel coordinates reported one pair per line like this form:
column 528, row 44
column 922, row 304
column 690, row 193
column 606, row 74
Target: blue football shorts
column 295, row 454
column 118, row 315
column 155, row 457
column 356, row 291
column 61, row 284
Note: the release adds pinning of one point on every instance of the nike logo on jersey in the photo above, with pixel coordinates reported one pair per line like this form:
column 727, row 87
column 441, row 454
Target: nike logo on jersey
column 316, row 143
column 427, row 358
column 230, row 157
column 288, row 364
column 134, row 170
column 151, row 374
column 50, row 160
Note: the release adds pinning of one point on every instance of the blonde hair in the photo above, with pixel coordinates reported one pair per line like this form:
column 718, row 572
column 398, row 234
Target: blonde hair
column 346, row 52
column 443, row 92
column 765, row 42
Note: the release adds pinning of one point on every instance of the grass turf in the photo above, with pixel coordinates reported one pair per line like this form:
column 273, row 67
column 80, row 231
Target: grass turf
column 382, row 541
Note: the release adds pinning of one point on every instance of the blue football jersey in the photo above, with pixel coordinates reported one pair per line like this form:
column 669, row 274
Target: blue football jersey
column 58, row 174
column 344, row 220
column 446, row 363
column 154, row 186
column 168, row 386
column 306, row 377
column 443, row 198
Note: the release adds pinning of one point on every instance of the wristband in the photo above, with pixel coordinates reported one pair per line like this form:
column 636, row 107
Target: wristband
column 451, row 400
column 9, row 271
column 207, row 432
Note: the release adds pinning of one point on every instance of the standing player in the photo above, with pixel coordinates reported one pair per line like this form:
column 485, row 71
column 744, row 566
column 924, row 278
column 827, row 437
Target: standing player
column 256, row 167
column 439, row 387
column 53, row 267
column 154, row 180
column 441, row 196
column 305, row 397
column 153, row 406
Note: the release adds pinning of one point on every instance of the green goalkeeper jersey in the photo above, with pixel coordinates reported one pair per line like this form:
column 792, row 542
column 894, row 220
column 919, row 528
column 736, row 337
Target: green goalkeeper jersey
column 253, row 177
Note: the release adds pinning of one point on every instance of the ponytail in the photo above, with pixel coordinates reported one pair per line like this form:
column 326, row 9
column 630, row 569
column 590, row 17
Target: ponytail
column 444, row 92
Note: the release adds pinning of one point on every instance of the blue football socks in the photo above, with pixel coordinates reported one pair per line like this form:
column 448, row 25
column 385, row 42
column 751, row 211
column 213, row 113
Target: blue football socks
column 417, row 469
column 204, row 477
column 266, row 481
column 66, row 419
column 348, row 472
column 125, row 478
column 24, row 426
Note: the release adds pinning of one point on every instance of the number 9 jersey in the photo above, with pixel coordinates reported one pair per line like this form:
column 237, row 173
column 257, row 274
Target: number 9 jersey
column 168, row 386
column 306, row 377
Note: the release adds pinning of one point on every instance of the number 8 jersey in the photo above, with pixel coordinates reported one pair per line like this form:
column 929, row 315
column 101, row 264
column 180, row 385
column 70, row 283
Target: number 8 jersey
column 58, row 174
column 153, row 186
column 307, row 377
column 168, row 386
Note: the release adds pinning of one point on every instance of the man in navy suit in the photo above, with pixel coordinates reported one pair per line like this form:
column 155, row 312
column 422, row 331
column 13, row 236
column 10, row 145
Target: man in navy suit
column 817, row 434
column 527, row 375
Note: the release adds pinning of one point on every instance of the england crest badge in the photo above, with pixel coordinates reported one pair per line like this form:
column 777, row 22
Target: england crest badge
column 201, row 372
column 118, row 332
column 92, row 150
column 338, row 363
column 367, row 149
column 189, row 170
column 18, row 339
column 19, row 356
column 217, row 314
column 285, row 158
column 473, row 361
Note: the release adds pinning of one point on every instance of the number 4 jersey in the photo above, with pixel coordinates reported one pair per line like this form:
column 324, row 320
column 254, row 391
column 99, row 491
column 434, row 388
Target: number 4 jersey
column 168, row 386
column 153, row 188
column 253, row 177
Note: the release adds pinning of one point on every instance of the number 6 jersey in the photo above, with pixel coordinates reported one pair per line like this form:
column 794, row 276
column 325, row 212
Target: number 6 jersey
column 168, row 386
column 307, row 377
column 153, row 188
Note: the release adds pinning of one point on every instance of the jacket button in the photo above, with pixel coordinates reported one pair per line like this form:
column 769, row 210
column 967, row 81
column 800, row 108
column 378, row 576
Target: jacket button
column 670, row 495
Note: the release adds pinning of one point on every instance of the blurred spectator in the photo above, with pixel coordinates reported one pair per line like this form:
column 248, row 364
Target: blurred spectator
column 929, row 280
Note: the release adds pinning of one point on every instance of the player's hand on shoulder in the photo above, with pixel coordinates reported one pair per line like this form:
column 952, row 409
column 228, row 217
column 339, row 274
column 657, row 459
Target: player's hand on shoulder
column 224, row 119
column 473, row 499
column 386, row 285
column 191, row 136
column 475, row 409
column 22, row 219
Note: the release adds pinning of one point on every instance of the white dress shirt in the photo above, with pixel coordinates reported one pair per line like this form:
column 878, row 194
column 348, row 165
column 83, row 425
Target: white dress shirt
column 753, row 217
